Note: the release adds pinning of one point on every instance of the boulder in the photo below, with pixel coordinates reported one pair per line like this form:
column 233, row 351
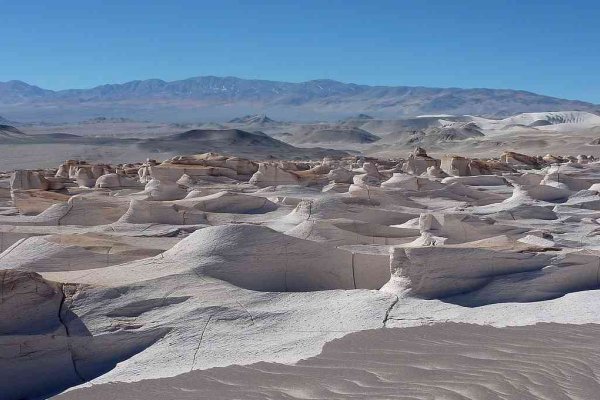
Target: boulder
column 186, row 181
column 488, row 167
column 63, row 171
column 67, row 169
column 455, row 165
column 410, row 182
column 582, row 159
column 434, row 172
column 30, row 304
column 463, row 166
column 5, row 189
column 473, row 276
column 371, row 169
column 340, row 175
column 365, row 180
column 112, row 181
column 25, row 179
column 98, row 170
column 241, row 166
column 156, row 190
column 479, row 180
column 144, row 174
column 152, row 212
column 336, row 187
column 320, row 169
column 84, row 177
column 272, row 175
column 58, row 183
column 521, row 160
column 228, row 202
column 419, row 161
column 552, row 159
column 174, row 172
column 558, row 178
column 32, row 202
column 288, row 165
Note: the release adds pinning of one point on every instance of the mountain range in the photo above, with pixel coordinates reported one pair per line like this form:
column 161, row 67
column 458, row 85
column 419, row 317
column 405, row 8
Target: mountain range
column 222, row 98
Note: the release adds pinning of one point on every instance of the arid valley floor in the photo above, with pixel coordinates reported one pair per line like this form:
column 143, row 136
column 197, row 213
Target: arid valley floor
column 435, row 257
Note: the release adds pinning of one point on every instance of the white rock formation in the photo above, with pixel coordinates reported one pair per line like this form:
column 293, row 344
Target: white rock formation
column 207, row 267
column 418, row 162
column 156, row 190
column 113, row 181
column 84, row 177
column 340, row 175
column 25, row 180
column 273, row 175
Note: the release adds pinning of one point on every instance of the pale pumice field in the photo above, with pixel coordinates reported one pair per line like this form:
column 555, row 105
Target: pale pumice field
column 442, row 257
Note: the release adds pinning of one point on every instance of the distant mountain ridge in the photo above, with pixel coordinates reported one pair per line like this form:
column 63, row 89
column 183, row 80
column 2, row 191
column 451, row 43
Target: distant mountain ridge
column 228, row 97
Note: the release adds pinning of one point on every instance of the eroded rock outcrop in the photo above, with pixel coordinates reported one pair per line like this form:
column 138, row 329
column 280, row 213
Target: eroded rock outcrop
column 32, row 202
column 477, row 276
column 25, row 180
column 522, row 160
column 203, row 268
column 273, row 175
column 114, row 181
column 418, row 162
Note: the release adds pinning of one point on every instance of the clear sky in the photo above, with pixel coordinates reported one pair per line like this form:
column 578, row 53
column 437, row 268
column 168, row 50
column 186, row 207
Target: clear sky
column 545, row 46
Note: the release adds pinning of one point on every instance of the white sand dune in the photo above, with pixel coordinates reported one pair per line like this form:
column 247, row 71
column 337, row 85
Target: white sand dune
column 449, row 361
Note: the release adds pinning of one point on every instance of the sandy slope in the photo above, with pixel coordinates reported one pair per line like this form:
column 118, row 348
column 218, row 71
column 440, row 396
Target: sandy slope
column 449, row 361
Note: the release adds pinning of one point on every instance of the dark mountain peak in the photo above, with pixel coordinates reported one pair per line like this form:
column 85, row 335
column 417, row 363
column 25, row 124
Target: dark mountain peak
column 8, row 131
column 9, row 128
column 16, row 83
column 18, row 91
column 326, row 82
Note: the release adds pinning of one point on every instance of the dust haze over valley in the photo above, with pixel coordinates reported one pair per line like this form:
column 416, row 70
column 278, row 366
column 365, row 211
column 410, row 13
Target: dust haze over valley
column 121, row 140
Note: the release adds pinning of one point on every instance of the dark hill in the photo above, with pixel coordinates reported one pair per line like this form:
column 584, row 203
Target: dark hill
column 233, row 142
column 354, row 135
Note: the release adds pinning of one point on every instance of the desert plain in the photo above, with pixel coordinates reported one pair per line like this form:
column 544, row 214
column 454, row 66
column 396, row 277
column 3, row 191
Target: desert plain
column 439, row 256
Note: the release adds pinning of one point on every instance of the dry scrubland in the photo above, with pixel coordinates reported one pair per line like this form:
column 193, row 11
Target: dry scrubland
column 392, row 273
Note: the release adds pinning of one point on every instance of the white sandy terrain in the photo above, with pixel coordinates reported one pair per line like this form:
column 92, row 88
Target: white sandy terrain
column 450, row 361
column 218, row 276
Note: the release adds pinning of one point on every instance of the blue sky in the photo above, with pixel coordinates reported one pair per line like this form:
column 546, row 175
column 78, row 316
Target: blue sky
column 549, row 47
